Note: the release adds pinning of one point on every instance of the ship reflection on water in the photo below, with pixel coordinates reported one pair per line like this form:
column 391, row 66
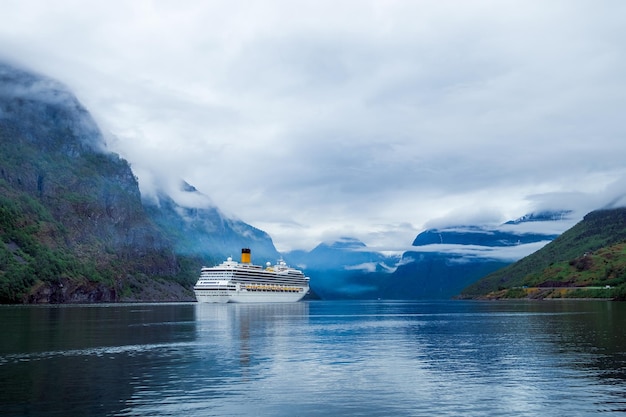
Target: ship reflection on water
column 249, row 328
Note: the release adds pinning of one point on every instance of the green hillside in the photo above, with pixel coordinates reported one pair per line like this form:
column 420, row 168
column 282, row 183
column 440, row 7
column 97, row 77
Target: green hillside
column 72, row 225
column 589, row 260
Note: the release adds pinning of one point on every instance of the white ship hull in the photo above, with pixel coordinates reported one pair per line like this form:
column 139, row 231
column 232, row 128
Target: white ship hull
column 234, row 282
column 208, row 296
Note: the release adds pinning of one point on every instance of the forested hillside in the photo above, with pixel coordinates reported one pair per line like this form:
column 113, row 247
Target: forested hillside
column 589, row 260
column 72, row 226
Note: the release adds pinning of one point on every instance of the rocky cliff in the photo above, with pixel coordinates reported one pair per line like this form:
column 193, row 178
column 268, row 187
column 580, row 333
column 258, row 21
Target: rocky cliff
column 73, row 226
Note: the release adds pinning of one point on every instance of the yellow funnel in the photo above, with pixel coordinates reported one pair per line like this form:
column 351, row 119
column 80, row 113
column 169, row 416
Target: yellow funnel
column 245, row 256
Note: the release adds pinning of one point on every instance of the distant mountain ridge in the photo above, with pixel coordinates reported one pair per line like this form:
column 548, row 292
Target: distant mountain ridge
column 501, row 235
column 344, row 269
column 542, row 216
column 446, row 260
column 442, row 263
column 476, row 235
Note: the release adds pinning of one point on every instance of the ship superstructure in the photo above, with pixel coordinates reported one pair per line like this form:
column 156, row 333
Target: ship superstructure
column 244, row 282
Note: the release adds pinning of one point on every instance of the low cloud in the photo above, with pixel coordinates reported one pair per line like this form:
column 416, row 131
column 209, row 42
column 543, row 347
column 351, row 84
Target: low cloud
column 364, row 267
column 472, row 252
column 376, row 121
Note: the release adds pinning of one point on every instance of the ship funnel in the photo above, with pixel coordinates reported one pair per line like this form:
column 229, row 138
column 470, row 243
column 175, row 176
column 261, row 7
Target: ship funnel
column 245, row 256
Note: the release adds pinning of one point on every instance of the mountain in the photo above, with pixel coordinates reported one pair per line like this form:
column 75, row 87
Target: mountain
column 446, row 260
column 73, row 227
column 590, row 254
column 543, row 216
column 344, row 269
column 202, row 230
column 437, row 275
column 443, row 261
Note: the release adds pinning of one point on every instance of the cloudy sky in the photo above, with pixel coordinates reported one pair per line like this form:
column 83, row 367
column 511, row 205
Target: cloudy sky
column 372, row 119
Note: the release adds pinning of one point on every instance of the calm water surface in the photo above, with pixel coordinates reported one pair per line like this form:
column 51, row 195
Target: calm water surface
column 451, row 358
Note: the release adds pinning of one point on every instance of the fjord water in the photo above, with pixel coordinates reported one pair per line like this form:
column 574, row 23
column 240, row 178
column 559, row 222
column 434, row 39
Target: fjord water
column 373, row 358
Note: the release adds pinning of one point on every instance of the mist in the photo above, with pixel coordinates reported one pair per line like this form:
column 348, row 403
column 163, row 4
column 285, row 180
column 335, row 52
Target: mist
column 375, row 120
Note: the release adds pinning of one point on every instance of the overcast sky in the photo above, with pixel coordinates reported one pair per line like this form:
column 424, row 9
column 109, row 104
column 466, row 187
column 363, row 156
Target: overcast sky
column 371, row 119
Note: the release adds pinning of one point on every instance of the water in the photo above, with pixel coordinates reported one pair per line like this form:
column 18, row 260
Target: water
column 380, row 358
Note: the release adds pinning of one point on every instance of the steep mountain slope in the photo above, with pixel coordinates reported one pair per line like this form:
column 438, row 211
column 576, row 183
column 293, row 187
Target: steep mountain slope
column 571, row 260
column 203, row 231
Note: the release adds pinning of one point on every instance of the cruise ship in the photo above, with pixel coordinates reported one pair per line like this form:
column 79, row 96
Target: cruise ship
column 243, row 282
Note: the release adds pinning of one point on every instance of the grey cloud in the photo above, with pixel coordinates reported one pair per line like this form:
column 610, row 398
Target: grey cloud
column 321, row 119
